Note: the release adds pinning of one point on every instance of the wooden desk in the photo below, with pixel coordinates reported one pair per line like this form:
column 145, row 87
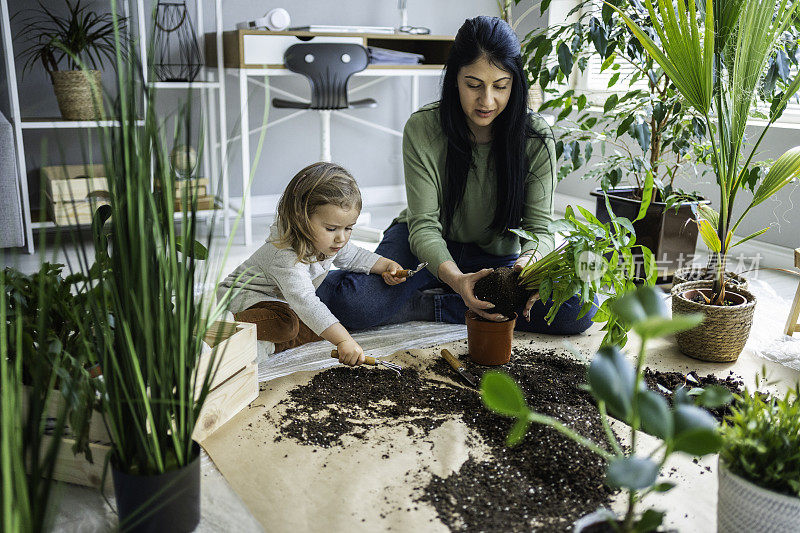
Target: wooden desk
column 255, row 53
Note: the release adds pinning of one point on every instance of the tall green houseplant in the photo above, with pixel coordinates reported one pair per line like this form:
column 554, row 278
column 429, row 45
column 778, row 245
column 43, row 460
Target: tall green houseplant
column 716, row 56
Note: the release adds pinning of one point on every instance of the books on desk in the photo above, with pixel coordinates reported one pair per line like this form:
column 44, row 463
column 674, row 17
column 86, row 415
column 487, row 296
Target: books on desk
column 384, row 56
column 319, row 28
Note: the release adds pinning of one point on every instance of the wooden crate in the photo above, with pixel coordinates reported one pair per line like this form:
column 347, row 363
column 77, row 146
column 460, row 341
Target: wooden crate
column 68, row 183
column 234, row 386
column 71, row 213
column 226, row 400
column 233, row 347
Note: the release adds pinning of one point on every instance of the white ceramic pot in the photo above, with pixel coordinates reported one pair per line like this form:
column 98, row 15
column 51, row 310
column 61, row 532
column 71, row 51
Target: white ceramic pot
column 598, row 517
column 744, row 506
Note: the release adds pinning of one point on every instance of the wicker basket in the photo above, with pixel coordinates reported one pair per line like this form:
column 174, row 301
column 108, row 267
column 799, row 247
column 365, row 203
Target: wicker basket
column 744, row 506
column 722, row 335
column 732, row 280
column 79, row 94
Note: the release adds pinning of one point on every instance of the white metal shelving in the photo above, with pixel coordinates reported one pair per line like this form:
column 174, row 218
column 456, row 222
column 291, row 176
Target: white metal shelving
column 212, row 90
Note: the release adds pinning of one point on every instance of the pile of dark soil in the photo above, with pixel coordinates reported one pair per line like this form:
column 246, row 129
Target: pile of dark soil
column 673, row 380
column 501, row 287
column 544, row 484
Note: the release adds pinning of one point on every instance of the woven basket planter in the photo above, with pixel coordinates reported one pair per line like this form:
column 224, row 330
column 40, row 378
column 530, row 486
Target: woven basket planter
column 732, row 279
column 722, row 335
column 744, row 506
column 79, row 94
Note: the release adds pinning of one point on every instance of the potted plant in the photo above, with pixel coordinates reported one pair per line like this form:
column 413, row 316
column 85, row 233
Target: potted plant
column 149, row 320
column 643, row 130
column 620, row 391
column 81, row 37
column 759, row 464
column 595, row 258
column 53, row 311
column 716, row 60
column 28, row 446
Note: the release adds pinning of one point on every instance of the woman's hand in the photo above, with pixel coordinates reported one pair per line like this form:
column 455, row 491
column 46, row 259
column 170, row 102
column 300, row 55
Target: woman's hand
column 464, row 285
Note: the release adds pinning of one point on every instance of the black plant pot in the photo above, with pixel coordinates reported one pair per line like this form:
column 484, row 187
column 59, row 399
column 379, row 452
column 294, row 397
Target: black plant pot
column 668, row 233
column 164, row 502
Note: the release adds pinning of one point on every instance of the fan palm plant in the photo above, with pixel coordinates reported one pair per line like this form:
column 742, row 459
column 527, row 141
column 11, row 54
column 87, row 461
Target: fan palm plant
column 716, row 55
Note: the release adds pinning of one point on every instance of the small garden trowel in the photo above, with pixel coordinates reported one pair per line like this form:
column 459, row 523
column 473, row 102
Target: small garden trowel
column 409, row 273
column 458, row 367
column 373, row 362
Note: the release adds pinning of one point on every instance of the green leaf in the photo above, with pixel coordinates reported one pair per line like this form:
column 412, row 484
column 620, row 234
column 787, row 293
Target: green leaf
column 502, row 395
column 751, row 236
column 713, row 396
column 664, row 486
column 196, row 251
column 650, row 521
column 625, row 124
column 695, row 431
column 655, row 415
column 611, row 379
column 633, row 473
column 610, row 103
column 653, row 328
column 638, row 306
column 709, row 235
column 518, row 431
column 565, row 59
column 647, row 196
column 785, row 169
column 614, row 79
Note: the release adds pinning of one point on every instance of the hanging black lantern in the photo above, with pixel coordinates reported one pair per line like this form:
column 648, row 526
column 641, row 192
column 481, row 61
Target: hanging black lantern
column 177, row 54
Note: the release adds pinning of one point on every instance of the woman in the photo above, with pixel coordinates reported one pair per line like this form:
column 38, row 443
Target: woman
column 476, row 164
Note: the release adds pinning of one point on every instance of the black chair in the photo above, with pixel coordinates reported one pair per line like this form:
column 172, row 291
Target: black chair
column 328, row 67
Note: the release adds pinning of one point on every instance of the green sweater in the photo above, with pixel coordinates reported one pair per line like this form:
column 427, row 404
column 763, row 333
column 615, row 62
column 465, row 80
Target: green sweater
column 424, row 155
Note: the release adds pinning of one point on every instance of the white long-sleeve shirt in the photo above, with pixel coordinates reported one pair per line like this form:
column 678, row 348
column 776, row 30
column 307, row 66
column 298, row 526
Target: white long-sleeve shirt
column 275, row 274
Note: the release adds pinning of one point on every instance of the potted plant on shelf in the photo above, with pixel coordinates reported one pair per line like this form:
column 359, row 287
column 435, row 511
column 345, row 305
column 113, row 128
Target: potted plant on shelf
column 620, row 391
column 82, row 36
column 759, row 464
column 595, row 258
column 635, row 119
column 716, row 60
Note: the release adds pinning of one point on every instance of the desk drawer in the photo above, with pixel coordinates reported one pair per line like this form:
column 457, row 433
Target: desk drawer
column 269, row 49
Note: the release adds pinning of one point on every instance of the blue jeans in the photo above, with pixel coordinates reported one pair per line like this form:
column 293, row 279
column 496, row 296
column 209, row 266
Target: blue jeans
column 363, row 301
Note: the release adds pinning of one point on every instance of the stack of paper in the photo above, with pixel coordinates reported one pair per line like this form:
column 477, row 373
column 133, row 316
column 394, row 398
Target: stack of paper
column 382, row 56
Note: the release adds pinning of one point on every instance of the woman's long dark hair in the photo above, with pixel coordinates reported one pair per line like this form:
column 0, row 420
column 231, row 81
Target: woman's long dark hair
column 494, row 39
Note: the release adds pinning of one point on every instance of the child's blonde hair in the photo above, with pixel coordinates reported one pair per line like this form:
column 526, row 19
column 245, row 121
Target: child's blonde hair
column 316, row 185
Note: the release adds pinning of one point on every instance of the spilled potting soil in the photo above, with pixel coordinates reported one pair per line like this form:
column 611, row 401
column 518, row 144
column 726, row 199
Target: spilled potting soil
column 543, row 484
column 665, row 383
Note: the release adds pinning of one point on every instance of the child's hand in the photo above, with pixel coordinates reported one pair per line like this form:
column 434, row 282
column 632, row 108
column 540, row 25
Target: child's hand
column 350, row 353
column 389, row 274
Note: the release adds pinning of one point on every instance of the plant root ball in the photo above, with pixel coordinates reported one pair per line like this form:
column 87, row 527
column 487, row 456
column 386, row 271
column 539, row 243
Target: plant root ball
column 501, row 288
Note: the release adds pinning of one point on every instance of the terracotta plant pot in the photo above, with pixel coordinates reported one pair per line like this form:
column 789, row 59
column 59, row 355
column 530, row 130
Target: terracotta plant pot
column 724, row 332
column 489, row 342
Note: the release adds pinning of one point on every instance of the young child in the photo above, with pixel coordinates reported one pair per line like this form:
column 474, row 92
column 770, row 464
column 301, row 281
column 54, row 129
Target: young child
column 316, row 214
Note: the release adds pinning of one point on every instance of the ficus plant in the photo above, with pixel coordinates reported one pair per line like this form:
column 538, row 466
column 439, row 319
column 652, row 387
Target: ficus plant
column 717, row 54
column 643, row 126
column 619, row 389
